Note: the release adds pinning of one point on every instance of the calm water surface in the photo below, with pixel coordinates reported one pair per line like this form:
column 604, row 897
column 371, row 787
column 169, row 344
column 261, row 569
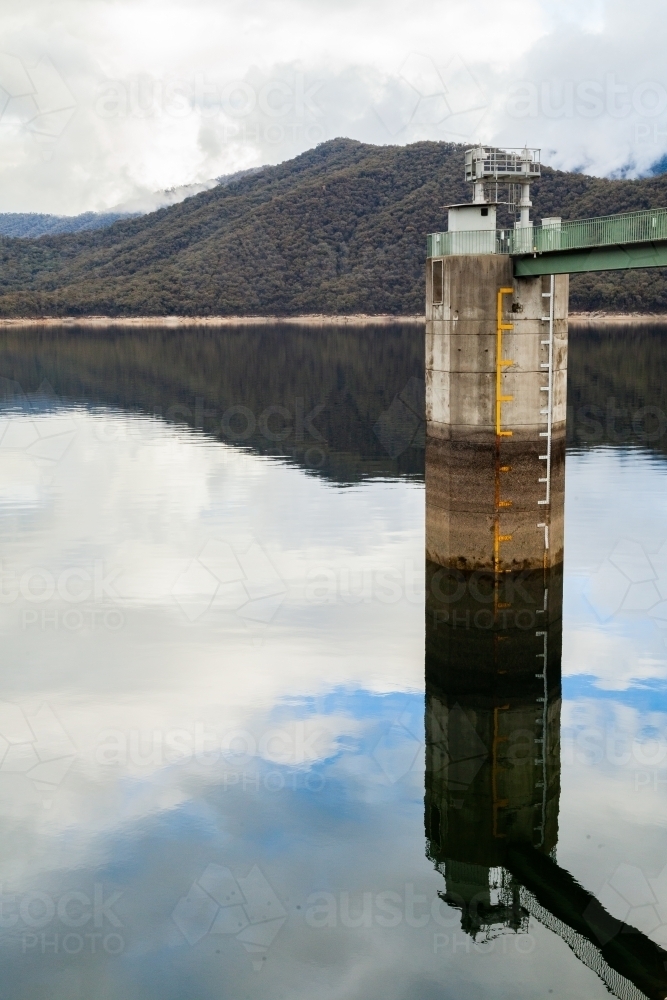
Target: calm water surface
column 212, row 769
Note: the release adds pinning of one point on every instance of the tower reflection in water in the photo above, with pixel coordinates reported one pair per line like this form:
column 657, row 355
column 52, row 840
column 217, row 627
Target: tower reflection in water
column 493, row 650
column 493, row 702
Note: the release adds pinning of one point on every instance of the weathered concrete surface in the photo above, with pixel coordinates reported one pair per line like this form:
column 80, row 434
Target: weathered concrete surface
column 467, row 399
column 471, row 283
column 480, row 485
column 462, row 514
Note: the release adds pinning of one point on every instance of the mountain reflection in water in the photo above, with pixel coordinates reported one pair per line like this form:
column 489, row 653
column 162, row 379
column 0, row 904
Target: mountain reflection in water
column 212, row 738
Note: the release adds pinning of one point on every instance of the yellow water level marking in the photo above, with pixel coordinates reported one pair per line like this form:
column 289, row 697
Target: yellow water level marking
column 497, row 539
column 500, row 361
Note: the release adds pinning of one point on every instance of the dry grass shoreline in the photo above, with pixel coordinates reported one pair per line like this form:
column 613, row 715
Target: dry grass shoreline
column 359, row 319
column 617, row 319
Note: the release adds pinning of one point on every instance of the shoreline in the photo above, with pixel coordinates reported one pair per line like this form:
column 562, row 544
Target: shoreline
column 174, row 322
column 616, row 319
column 314, row 319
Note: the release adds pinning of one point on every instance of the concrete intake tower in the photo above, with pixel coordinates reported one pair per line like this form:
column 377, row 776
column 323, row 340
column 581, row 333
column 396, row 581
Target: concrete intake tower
column 496, row 382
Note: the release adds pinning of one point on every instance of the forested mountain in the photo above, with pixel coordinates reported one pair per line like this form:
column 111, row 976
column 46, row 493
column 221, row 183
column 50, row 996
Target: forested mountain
column 339, row 229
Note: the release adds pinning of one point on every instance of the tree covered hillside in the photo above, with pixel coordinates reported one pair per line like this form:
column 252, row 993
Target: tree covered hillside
column 339, row 229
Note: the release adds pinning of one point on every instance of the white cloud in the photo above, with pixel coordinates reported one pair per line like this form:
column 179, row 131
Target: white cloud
column 177, row 93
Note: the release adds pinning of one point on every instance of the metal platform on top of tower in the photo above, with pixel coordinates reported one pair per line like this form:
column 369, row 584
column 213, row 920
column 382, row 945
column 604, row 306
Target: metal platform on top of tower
column 488, row 163
column 613, row 242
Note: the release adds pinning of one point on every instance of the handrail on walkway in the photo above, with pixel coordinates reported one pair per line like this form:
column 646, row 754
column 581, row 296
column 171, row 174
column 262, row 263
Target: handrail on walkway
column 608, row 230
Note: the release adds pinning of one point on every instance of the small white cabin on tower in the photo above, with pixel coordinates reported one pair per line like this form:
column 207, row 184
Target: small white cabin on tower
column 478, row 218
column 465, row 218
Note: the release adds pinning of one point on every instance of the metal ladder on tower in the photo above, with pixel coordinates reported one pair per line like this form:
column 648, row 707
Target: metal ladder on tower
column 547, row 412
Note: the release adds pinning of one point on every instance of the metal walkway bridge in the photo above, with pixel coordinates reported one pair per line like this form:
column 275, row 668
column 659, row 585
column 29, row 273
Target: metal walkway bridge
column 608, row 243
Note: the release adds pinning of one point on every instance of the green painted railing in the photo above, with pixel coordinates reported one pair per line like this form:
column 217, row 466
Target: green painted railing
column 609, row 230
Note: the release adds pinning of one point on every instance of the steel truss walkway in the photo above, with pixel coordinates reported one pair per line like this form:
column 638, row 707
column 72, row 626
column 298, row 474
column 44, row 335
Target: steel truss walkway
column 608, row 243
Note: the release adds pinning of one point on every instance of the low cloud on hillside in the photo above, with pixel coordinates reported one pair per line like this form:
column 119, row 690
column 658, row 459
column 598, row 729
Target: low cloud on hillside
column 103, row 104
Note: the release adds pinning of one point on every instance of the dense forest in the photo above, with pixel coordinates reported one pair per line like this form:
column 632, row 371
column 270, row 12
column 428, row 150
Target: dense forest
column 340, row 229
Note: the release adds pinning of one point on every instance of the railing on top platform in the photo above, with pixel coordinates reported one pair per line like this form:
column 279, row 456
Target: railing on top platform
column 609, row 230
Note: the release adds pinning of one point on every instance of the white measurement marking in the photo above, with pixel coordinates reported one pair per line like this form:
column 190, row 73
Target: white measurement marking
column 548, row 412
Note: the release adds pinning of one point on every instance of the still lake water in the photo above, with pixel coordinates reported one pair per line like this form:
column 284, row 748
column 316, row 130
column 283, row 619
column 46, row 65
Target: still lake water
column 212, row 707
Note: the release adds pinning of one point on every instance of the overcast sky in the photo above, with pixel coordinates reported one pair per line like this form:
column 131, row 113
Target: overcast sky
column 105, row 101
